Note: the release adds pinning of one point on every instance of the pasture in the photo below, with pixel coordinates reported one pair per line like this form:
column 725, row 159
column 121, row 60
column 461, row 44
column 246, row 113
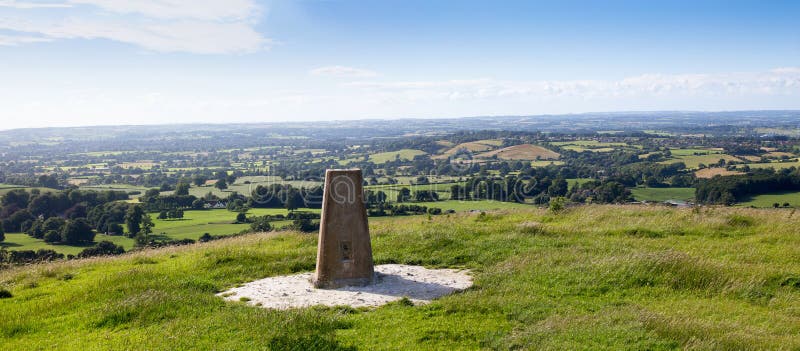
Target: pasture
column 768, row 200
column 404, row 154
column 662, row 194
column 694, row 161
column 521, row 152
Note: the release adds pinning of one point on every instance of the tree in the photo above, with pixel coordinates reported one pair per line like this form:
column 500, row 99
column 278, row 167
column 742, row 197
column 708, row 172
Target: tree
column 2, row 234
column 182, row 189
column 260, row 224
column 221, row 184
column 380, row 197
column 403, row 195
column 163, row 214
column 114, row 228
column 199, row 180
column 52, row 236
column 102, row 248
column 77, row 231
column 241, row 217
column 558, row 188
column 54, row 224
column 294, row 200
column 133, row 219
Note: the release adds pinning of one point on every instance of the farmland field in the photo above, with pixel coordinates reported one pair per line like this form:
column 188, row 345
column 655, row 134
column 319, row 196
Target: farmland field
column 775, row 165
column 522, row 152
column 767, row 200
column 694, row 161
column 713, row 172
column 662, row 194
column 404, row 154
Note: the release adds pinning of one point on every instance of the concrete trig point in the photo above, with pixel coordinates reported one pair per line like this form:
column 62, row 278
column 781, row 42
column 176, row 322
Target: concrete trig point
column 344, row 252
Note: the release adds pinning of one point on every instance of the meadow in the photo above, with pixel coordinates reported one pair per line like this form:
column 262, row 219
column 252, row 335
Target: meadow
column 195, row 223
column 588, row 278
column 694, row 161
column 662, row 194
column 768, row 200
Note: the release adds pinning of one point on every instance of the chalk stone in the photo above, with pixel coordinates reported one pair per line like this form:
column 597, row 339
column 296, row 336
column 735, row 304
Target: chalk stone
column 344, row 251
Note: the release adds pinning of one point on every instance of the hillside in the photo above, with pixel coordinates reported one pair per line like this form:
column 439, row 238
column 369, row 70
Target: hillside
column 593, row 277
column 522, row 152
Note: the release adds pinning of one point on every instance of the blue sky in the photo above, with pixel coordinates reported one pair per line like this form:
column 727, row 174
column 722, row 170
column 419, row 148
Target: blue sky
column 89, row 62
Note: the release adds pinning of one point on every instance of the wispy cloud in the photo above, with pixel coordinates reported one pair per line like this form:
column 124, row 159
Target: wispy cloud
column 343, row 71
column 198, row 9
column 207, row 27
column 31, row 5
column 781, row 81
column 13, row 40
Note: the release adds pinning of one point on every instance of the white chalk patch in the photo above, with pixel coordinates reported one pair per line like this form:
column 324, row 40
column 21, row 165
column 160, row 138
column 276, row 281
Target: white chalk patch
column 394, row 281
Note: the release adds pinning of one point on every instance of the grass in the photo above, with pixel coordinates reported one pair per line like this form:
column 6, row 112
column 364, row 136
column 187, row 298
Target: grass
column 767, row 200
column 404, row 154
column 521, row 152
column 775, row 165
column 694, row 161
column 192, row 226
column 593, row 277
column 662, row 194
column 707, row 173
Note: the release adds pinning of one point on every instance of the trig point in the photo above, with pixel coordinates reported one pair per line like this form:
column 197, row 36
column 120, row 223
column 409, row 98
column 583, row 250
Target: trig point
column 344, row 252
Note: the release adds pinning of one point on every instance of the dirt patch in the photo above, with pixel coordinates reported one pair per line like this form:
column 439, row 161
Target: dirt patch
column 394, row 281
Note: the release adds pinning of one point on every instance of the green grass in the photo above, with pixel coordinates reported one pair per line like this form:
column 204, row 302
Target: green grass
column 578, row 181
column 480, row 205
column 21, row 241
column 693, row 151
column 593, row 277
column 767, row 200
column 192, row 226
column 404, row 154
column 662, row 194
column 694, row 161
column 775, row 165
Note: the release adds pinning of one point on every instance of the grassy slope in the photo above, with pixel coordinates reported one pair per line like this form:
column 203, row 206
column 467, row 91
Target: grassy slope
column 598, row 277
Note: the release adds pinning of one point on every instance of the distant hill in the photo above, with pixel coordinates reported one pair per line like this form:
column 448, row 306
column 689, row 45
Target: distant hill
column 522, row 152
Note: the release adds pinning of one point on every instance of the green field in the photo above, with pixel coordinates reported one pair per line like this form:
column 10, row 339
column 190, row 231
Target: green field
column 404, row 154
column 767, row 200
column 694, row 161
column 775, row 165
column 589, row 145
column 222, row 222
column 694, row 151
column 192, row 226
column 663, row 194
column 593, row 277
column 578, row 181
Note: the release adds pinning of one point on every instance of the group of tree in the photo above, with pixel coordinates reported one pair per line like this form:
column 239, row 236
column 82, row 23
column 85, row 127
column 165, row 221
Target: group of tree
column 728, row 190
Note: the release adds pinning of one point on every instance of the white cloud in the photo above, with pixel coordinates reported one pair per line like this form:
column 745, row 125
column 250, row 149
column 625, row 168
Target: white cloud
column 30, row 5
column 12, row 40
column 782, row 81
column 343, row 71
column 207, row 27
column 197, row 9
